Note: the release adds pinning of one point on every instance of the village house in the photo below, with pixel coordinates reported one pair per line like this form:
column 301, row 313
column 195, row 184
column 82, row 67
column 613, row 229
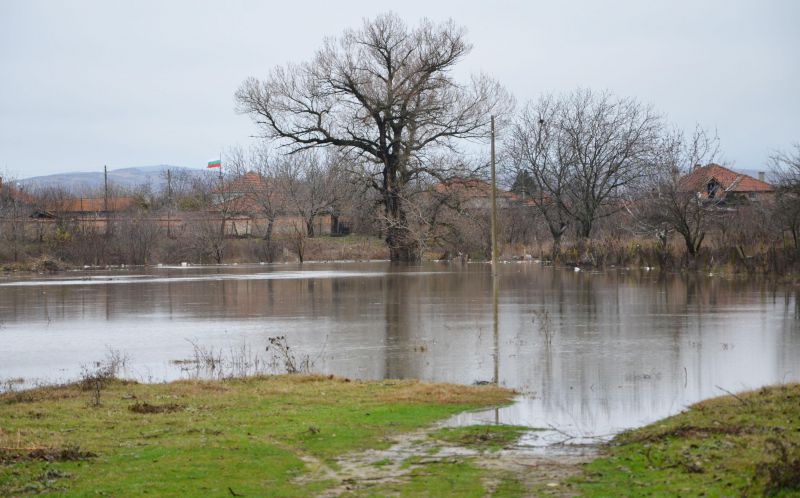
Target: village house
column 725, row 187
column 472, row 193
column 86, row 212
column 9, row 193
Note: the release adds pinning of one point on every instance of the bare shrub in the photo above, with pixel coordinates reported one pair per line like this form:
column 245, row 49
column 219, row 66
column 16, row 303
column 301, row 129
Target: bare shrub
column 282, row 354
column 95, row 377
column 243, row 361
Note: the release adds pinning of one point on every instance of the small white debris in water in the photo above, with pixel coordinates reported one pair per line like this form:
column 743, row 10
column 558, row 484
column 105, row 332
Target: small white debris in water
column 577, row 269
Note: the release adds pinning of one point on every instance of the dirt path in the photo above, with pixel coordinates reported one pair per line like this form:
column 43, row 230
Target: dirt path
column 537, row 467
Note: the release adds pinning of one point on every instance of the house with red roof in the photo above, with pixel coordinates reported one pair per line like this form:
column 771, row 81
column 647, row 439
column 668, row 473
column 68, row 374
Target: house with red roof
column 10, row 193
column 474, row 193
column 722, row 185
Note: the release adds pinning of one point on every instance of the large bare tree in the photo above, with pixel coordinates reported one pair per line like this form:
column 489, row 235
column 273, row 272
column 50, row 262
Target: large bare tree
column 585, row 151
column 539, row 152
column 384, row 94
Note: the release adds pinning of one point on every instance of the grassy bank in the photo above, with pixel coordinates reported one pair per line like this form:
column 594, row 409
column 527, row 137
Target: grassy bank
column 251, row 437
column 312, row 435
column 740, row 445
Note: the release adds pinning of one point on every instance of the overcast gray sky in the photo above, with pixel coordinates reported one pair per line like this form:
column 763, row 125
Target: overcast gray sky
column 133, row 83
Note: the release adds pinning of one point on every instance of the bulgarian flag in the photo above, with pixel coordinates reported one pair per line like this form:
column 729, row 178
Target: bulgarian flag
column 216, row 163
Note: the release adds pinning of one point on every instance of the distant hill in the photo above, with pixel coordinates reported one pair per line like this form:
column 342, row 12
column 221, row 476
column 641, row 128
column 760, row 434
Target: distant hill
column 80, row 182
column 128, row 178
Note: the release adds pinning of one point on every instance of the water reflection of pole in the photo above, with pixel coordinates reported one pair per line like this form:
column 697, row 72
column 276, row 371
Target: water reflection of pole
column 495, row 328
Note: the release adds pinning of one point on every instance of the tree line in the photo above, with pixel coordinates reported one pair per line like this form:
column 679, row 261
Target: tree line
column 377, row 129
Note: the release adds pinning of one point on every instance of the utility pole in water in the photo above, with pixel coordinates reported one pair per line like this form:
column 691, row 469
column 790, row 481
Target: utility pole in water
column 494, row 206
column 495, row 280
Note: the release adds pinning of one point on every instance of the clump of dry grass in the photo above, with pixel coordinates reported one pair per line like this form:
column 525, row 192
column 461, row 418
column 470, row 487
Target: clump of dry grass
column 420, row 392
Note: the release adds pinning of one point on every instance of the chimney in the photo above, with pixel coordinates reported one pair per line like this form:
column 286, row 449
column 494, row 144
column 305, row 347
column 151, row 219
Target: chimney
column 762, row 176
column 696, row 166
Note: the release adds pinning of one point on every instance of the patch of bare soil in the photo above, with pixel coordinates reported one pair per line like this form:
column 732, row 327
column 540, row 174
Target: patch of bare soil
column 147, row 408
column 9, row 455
column 539, row 469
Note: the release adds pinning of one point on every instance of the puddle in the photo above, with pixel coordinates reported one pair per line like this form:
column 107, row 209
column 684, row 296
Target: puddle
column 535, row 458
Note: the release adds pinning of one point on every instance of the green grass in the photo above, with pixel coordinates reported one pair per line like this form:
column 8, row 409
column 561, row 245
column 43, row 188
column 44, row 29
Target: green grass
column 743, row 445
column 249, row 436
column 482, row 437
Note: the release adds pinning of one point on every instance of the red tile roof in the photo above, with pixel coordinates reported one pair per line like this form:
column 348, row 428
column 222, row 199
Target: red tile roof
column 248, row 182
column 16, row 194
column 730, row 181
column 247, row 193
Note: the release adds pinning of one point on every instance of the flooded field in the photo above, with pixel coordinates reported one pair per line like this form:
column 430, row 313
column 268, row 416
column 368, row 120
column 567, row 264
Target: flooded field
column 590, row 353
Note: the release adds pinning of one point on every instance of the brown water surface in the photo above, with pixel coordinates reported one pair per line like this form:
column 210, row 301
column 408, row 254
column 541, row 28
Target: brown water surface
column 592, row 353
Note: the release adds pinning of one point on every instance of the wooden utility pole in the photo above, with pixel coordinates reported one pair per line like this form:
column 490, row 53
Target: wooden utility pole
column 495, row 280
column 105, row 196
column 105, row 189
column 169, row 200
column 494, row 207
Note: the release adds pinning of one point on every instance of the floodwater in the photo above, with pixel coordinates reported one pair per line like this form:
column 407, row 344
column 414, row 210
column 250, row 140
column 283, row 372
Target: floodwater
column 590, row 352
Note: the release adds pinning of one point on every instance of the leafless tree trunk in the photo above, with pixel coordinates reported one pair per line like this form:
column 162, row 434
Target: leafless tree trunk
column 385, row 95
